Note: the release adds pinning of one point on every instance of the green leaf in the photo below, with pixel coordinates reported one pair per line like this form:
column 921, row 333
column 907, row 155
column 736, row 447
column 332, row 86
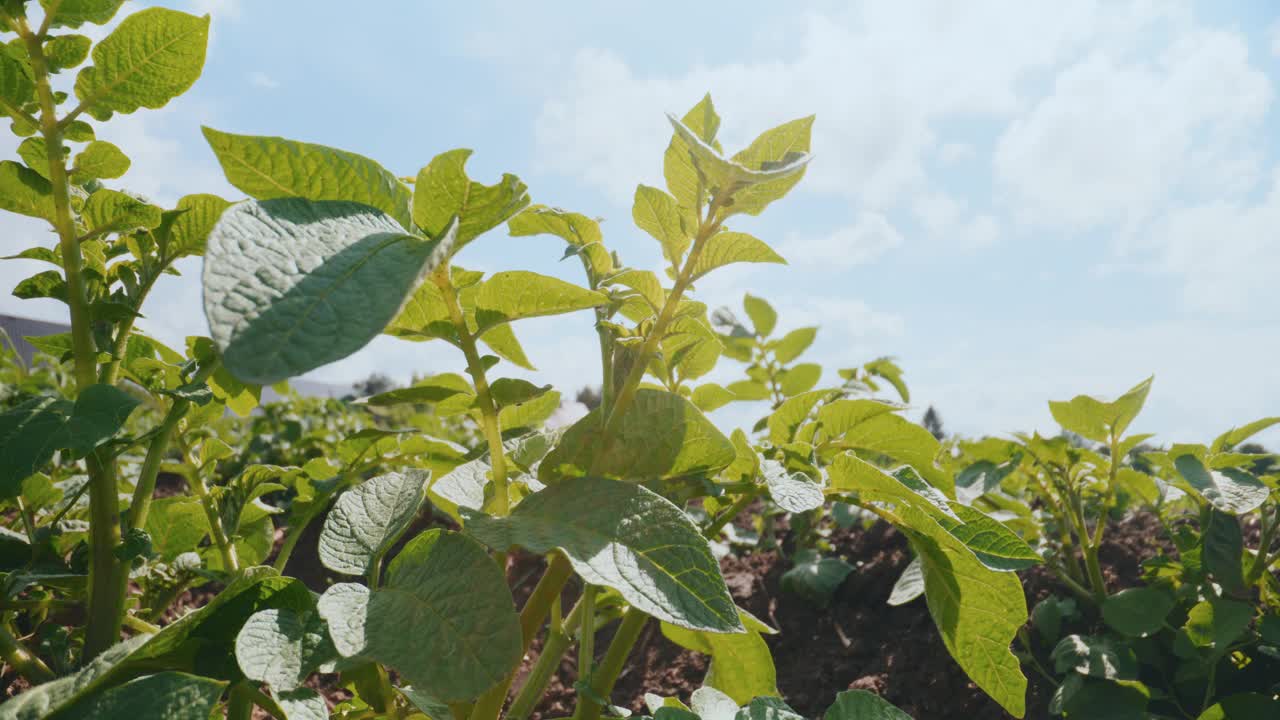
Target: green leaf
column 100, row 160
column 176, row 525
column 658, row 214
column 1233, row 437
column 661, row 435
column 785, row 147
column 710, row 396
column 443, row 191
column 977, row 611
column 1137, row 612
column 444, row 592
column 815, row 578
column 449, row 392
column 1097, row 419
column 909, row 586
column 741, row 664
column 725, row 248
column 766, row 708
column 898, row 438
column 165, row 695
column 763, row 317
column 677, row 163
column 799, row 378
column 267, row 168
column 290, row 285
column 35, row 153
column 1096, row 657
column 368, row 519
column 282, row 647
column 32, row 431
column 17, row 83
column 840, row 416
column 1230, row 490
column 519, row 294
column 1222, row 550
column 151, row 57
column 529, row 415
column 1216, row 623
column 190, row 230
column 995, row 545
column 581, row 232
column 791, row 414
column 1243, row 706
column 862, row 705
column 302, row 704
column 514, row 391
column 626, row 537
column 24, row 191
column 113, row 211
column 1103, row 700
column 889, row 370
column 74, row 13
column 66, row 51
column 794, row 492
column 791, row 345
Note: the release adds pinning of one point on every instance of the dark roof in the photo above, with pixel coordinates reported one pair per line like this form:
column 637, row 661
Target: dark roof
column 17, row 329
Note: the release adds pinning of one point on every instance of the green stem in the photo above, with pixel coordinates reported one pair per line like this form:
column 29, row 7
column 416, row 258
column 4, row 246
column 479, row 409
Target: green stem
column 18, row 657
column 107, row 583
column 146, row 486
column 230, row 562
column 140, row 625
column 587, row 643
column 1259, row 564
column 556, row 645
column 604, row 677
column 725, row 517
column 294, row 534
column 240, row 702
column 1080, row 591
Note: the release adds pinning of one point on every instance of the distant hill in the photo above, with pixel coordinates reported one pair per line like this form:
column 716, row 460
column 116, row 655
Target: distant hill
column 18, row 329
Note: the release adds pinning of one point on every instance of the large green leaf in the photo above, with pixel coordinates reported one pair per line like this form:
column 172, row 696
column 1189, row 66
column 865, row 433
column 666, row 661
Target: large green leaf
column 658, row 214
column 267, row 168
column 290, row 285
column 282, row 647
column 741, row 664
column 74, row 13
column 978, row 611
column 163, row 696
column 840, row 416
column 24, row 191
column 518, row 294
column 444, row 619
column 902, row 440
column 1097, row 419
column 726, row 248
column 862, row 705
column 626, row 537
column 150, row 58
column 443, row 191
column 661, row 435
column 31, row 432
column 994, row 544
column 1230, row 490
column 368, row 519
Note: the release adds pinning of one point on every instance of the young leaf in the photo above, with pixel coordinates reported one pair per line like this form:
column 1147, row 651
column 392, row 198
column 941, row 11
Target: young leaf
column 443, row 191
column 1094, row 657
column 710, row 396
column 730, row 176
column 1137, row 612
column 100, row 160
column 658, row 214
column 150, row 58
column 368, row 519
column 786, row 146
column 1233, row 437
column 281, row 647
column 1096, row 419
column 791, row 345
column 267, row 168
column 799, row 378
column 581, row 232
column 74, row 13
column 862, row 705
column 1232, row 491
column 24, row 191
column 626, row 537
column 677, row 163
column 792, row 491
column 190, row 230
column 443, row 592
column 17, row 84
column 518, row 294
column 661, row 435
column 113, row 211
column 909, row 586
column 741, row 664
column 290, row 285
column 815, row 577
column 726, row 248
column 763, row 317
column 66, row 51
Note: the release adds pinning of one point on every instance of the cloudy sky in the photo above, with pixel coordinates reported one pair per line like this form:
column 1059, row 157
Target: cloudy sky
column 1020, row 201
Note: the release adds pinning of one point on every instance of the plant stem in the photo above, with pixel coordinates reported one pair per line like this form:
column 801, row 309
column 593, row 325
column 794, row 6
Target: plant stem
column 106, row 574
column 727, row 516
column 604, row 677
column 27, row 663
column 294, row 534
column 1259, row 563
column 587, row 643
column 146, row 486
column 140, row 625
column 230, row 562
column 557, row 643
column 240, row 702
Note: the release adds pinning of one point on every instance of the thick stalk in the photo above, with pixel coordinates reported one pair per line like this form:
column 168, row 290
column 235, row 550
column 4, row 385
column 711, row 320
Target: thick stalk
column 21, row 659
column 106, row 581
column 146, row 487
column 240, row 702
column 587, row 643
column 559, row 639
column 606, row 674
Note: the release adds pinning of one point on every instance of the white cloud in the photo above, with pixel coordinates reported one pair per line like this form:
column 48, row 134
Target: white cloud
column 870, row 237
column 949, row 222
column 953, row 153
column 259, row 79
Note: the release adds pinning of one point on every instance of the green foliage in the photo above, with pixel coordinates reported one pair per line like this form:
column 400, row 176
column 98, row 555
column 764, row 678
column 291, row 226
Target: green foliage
column 150, row 58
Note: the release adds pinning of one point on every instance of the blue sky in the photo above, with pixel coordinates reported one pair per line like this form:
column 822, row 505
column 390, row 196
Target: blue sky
column 1021, row 202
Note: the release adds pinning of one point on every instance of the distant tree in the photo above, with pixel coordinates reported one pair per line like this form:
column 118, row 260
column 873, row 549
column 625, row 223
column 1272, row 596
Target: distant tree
column 373, row 385
column 933, row 423
column 590, row 397
column 1265, row 465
